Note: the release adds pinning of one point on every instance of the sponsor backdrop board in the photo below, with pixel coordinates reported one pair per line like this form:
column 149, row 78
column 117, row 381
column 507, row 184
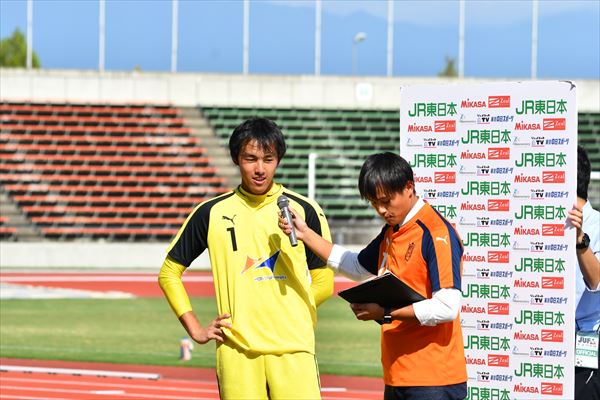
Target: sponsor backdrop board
column 499, row 161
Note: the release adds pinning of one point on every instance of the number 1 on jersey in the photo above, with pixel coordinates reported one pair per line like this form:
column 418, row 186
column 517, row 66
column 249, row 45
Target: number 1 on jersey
column 233, row 241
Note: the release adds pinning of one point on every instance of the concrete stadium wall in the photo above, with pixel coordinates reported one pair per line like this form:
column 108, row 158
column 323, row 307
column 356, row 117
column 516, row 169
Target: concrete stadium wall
column 88, row 255
column 186, row 89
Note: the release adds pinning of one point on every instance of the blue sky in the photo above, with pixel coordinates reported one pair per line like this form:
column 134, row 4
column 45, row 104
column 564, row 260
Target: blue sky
column 138, row 33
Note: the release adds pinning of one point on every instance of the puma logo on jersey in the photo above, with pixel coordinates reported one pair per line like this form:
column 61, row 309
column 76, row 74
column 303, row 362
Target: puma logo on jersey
column 442, row 239
column 230, row 219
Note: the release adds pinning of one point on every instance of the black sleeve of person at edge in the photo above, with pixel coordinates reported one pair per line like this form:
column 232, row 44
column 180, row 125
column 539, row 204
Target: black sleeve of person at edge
column 369, row 256
column 313, row 222
column 193, row 236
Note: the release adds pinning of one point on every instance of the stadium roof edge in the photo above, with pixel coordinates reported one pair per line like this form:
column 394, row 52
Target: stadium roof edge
column 230, row 90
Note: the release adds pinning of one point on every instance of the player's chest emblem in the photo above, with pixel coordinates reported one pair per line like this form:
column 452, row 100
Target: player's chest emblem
column 261, row 262
column 409, row 251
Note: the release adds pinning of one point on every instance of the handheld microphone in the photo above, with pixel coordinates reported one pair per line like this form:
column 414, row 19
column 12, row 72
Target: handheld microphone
column 283, row 203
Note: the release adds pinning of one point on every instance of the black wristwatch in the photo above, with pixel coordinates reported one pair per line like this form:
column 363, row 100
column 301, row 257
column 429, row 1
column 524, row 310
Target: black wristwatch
column 585, row 242
column 387, row 315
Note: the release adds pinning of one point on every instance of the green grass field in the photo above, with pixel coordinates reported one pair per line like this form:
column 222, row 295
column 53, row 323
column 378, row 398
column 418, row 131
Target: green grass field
column 145, row 331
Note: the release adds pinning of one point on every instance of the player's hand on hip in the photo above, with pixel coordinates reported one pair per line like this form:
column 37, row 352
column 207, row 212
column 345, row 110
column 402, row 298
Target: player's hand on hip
column 214, row 331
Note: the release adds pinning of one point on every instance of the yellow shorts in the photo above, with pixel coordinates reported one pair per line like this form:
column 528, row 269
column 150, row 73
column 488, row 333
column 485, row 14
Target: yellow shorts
column 267, row 376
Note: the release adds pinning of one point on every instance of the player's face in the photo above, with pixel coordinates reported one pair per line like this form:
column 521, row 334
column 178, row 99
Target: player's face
column 394, row 208
column 257, row 167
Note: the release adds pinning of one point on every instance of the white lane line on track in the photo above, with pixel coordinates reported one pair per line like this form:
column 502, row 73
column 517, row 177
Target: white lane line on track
column 122, row 385
column 16, row 397
column 80, row 372
column 108, row 392
column 21, row 291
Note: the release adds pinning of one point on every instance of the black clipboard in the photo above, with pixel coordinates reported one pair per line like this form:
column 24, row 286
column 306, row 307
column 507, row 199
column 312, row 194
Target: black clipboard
column 387, row 290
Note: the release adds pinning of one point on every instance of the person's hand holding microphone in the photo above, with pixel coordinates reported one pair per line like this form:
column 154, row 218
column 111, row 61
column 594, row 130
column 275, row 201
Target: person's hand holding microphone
column 290, row 222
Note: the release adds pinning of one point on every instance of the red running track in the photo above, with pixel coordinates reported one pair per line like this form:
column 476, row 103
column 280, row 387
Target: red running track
column 174, row 383
column 142, row 284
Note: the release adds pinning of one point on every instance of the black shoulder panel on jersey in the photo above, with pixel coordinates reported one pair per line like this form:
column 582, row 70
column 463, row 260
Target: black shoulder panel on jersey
column 369, row 256
column 193, row 239
column 312, row 220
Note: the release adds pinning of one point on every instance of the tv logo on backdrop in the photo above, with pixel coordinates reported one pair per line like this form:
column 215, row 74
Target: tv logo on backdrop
column 429, row 143
column 483, row 118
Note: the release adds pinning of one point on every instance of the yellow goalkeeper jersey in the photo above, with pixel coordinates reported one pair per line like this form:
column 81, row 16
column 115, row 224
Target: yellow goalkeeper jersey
column 259, row 278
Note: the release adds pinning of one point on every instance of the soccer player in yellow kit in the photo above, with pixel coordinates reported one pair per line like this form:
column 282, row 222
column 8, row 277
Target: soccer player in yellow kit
column 266, row 290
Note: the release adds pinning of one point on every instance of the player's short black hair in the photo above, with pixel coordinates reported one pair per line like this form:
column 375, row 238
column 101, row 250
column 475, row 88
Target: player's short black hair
column 385, row 171
column 266, row 133
column 584, row 169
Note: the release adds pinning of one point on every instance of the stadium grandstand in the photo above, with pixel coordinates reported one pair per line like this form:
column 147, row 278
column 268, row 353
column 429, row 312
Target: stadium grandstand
column 125, row 157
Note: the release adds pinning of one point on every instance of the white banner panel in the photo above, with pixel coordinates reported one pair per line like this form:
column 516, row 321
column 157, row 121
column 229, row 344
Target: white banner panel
column 499, row 161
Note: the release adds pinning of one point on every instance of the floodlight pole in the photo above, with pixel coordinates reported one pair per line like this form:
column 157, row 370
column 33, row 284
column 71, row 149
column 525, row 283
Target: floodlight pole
column 534, row 38
column 245, row 39
column 174, row 29
column 101, row 32
column 390, row 38
column 29, row 61
column 317, row 37
column 461, row 39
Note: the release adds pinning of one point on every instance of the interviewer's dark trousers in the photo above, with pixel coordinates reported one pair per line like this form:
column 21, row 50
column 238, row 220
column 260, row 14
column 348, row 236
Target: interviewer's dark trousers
column 587, row 384
column 449, row 392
